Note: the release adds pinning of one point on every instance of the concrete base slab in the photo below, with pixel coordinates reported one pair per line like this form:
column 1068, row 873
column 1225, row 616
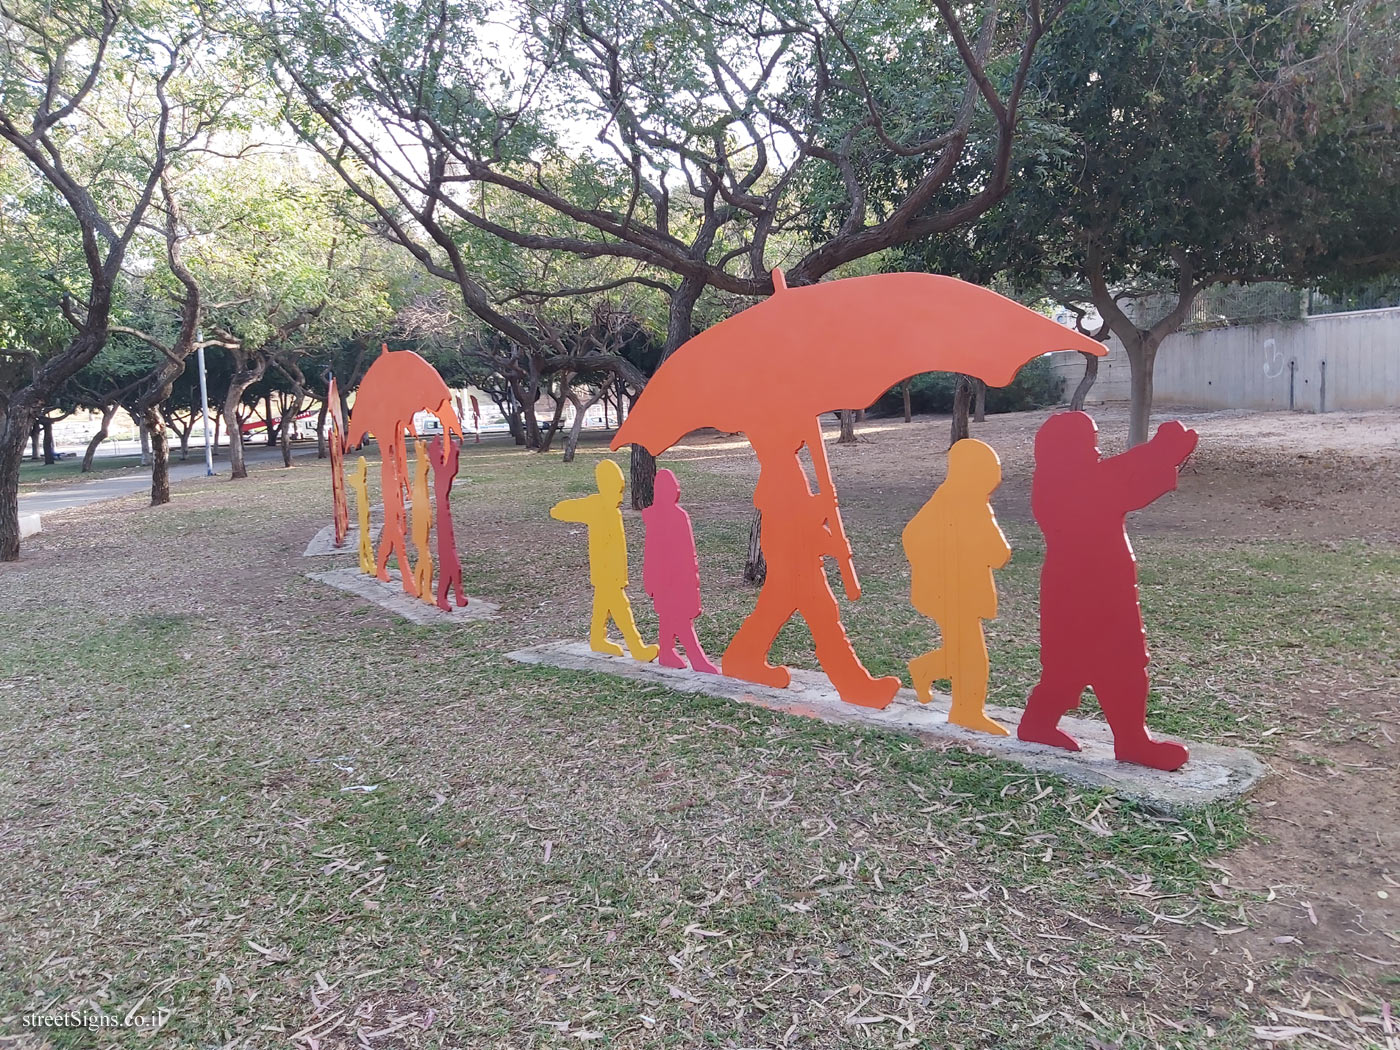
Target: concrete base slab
column 391, row 596
column 29, row 525
column 1214, row 774
column 323, row 543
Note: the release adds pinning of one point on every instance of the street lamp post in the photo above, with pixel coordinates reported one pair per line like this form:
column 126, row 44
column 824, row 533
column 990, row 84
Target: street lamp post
column 204, row 407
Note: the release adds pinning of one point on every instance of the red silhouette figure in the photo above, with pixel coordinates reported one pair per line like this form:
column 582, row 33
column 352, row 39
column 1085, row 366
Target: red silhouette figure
column 800, row 529
column 1090, row 624
column 445, row 461
column 671, row 574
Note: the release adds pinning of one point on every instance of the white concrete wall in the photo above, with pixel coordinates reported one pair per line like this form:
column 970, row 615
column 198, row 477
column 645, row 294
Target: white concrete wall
column 1250, row 366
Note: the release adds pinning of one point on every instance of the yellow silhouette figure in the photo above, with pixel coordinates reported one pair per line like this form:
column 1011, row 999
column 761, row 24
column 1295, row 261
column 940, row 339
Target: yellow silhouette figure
column 422, row 523
column 953, row 544
column 359, row 484
column 607, row 562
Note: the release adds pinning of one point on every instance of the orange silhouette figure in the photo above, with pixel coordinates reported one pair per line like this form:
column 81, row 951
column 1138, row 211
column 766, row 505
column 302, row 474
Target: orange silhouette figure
column 422, row 524
column 1090, row 624
column 799, row 529
column 341, row 509
column 607, row 562
column 953, row 544
column 359, row 481
column 671, row 575
column 476, row 417
column 445, row 460
column 772, row 370
column 398, row 385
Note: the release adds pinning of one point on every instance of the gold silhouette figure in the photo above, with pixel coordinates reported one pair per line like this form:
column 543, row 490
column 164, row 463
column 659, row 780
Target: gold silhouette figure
column 607, row 562
column 953, row 544
column 359, row 484
column 422, row 523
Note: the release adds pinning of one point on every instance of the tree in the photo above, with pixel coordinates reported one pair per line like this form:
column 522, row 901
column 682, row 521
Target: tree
column 89, row 99
column 711, row 128
column 1188, row 145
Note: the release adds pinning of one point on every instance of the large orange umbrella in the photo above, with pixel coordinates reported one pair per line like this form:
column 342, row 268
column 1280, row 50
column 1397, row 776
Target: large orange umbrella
column 841, row 344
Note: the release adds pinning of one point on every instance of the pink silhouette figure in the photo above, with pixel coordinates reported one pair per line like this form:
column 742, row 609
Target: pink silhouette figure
column 1090, row 624
column 445, row 462
column 671, row 575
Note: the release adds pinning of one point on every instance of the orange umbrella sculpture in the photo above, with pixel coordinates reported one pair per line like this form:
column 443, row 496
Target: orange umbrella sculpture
column 398, row 385
column 772, row 370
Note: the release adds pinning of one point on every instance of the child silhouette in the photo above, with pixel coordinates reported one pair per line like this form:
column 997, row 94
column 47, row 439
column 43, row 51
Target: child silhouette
column 671, row 574
column 607, row 562
column 953, row 544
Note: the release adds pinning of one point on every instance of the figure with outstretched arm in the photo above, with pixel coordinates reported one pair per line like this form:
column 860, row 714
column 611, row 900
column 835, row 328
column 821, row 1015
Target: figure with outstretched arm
column 1091, row 633
column 953, row 544
column 607, row 562
column 445, row 460
column 671, row 575
column 799, row 530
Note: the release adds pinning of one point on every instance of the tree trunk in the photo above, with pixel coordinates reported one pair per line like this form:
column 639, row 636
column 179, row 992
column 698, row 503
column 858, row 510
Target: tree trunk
column 576, row 430
column 160, row 457
column 284, row 428
column 49, row 457
column 847, row 416
column 15, row 428
column 145, row 441
column 979, row 406
column 755, row 566
column 185, row 441
column 1142, row 357
column 548, row 441
column 34, row 442
column 107, row 415
column 271, row 431
column 322, row 450
column 680, row 323
column 1086, row 383
column 908, row 413
column 962, row 401
column 218, row 422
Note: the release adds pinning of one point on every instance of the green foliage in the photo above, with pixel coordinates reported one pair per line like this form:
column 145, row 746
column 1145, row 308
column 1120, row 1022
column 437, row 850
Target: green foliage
column 1036, row 386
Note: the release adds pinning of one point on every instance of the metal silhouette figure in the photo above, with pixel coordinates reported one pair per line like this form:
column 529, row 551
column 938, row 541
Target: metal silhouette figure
column 422, row 524
column 671, row 575
column 1091, row 633
column 341, row 509
column 607, row 562
column 953, row 544
column 445, row 456
column 359, row 483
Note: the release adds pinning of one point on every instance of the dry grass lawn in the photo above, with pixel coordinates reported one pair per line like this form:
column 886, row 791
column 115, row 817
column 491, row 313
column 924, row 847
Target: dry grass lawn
column 287, row 819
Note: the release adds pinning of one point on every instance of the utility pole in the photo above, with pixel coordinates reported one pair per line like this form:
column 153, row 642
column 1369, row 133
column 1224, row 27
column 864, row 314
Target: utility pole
column 204, row 407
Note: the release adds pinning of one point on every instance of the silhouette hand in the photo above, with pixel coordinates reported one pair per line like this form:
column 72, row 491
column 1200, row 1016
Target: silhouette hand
column 1180, row 439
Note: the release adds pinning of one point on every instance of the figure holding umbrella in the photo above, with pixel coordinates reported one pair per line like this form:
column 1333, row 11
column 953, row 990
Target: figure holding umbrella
column 398, row 385
column 800, row 353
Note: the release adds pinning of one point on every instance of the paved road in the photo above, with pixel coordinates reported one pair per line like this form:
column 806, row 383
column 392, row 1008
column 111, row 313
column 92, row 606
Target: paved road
column 47, row 499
